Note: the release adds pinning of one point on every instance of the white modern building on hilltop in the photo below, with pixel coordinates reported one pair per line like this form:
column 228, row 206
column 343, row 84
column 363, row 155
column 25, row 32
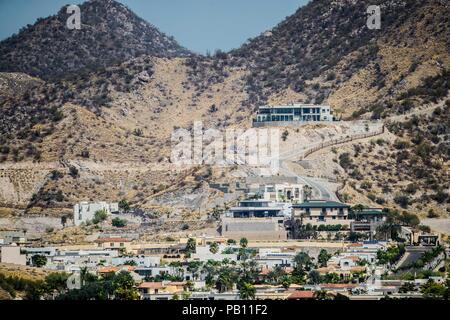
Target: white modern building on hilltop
column 285, row 192
column 294, row 112
column 85, row 211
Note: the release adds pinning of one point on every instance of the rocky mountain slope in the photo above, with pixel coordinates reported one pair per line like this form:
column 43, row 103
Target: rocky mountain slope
column 106, row 132
column 110, row 33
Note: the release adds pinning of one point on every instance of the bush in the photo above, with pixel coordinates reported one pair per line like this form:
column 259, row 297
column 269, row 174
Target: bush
column 56, row 175
column 73, row 172
column 99, row 216
column 138, row 132
column 39, row 260
column 402, row 200
column 432, row 214
column 85, row 153
column 411, row 188
column 440, row 196
column 345, row 161
column 118, row 223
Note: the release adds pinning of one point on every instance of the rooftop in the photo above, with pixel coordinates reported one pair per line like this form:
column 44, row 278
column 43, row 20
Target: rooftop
column 298, row 105
column 298, row 294
column 370, row 211
column 116, row 239
column 338, row 285
column 321, row 204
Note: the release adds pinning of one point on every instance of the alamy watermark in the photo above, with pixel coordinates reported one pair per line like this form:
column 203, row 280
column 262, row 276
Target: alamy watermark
column 374, row 17
column 74, row 20
column 257, row 149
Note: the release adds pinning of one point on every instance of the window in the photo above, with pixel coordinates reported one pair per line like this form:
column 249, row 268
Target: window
column 122, row 244
column 111, row 244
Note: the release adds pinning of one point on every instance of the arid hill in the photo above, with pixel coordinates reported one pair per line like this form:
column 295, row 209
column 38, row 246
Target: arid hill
column 105, row 132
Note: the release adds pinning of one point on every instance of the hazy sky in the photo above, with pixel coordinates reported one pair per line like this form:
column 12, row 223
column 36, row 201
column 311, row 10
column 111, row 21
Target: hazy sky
column 198, row 25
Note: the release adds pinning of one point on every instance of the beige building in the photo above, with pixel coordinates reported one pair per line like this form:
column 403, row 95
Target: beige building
column 318, row 212
column 122, row 244
column 254, row 228
column 12, row 254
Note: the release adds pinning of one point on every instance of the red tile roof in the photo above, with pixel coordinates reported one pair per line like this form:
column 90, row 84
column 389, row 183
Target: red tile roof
column 151, row 285
column 298, row 294
column 112, row 240
column 107, row 269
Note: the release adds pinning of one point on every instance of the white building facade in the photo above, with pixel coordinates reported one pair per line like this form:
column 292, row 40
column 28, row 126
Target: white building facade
column 85, row 211
column 284, row 192
column 294, row 112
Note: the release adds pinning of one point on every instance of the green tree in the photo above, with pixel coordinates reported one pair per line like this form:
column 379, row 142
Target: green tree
column 286, row 281
column 214, row 247
column 247, row 291
column 118, row 223
column 323, row 258
column 433, row 290
column 303, row 264
column 34, row 290
column 99, row 216
column 307, row 192
column 314, row 277
column 224, row 280
column 124, row 287
column 194, row 267
column 191, row 245
column 56, row 282
column 124, row 205
column 356, row 210
column 39, row 260
column 243, row 242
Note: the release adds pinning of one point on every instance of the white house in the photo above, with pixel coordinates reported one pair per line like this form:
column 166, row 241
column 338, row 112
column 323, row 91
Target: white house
column 203, row 253
column 294, row 112
column 285, row 192
column 148, row 261
column 85, row 211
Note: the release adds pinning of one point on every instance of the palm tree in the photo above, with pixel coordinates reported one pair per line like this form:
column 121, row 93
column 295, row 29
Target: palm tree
column 194, row 268
column 249, row 270
column 247, row 291
column 224, row 280
column 243, row 242
column 83, row 275
column 210, row 268
column 307, row 192
column 275, row 275
column 357, row 209
column 191, row 245
column 214, row 247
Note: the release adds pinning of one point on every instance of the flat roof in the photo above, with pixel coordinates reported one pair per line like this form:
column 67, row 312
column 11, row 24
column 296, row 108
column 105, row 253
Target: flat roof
column 297, row 105
column 321, row 204
column 369, row 211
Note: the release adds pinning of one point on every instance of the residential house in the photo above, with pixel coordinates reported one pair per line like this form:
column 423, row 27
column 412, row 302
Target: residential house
column 318, row 212
column 85, row 211
column 121, row 244
column 17, row 236
column 284, row 192
column 293, row 113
